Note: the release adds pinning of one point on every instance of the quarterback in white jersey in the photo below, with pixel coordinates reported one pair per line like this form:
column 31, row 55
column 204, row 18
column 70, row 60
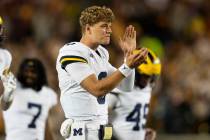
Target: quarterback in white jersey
column 128, row 110
column 26, row 118
column 85, row 75
column 89, row 107
column 7, row 79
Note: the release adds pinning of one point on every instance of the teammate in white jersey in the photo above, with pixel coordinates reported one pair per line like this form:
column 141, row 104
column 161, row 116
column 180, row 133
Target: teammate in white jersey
column 27, row 116
column 86, row 76
column 8, row 81
column 128, row 110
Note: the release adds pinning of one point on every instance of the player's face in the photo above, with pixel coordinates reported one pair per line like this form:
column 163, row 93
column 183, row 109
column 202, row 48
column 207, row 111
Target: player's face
column 144, row 80
column 30, row 76
column 101, row 32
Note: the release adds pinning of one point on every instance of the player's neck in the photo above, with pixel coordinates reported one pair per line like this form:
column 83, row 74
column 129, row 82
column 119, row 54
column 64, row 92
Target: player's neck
column 89, row 43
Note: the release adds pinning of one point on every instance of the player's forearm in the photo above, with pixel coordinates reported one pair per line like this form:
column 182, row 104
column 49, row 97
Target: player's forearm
column 102, row 87
column 108, row 84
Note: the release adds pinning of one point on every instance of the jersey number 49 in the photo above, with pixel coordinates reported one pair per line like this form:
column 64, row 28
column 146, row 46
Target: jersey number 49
column 138, row 118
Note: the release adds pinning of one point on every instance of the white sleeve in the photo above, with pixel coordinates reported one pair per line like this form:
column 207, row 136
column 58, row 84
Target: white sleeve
column 112, row 100
column 79, row 71
column 2, row 65
column 111, row 69
column 8, row 58
column 76, row 64
column 127, row 83
column 52, row 98
column 5, row 60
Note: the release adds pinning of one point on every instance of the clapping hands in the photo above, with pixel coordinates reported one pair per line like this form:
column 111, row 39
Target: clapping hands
column 128, row 45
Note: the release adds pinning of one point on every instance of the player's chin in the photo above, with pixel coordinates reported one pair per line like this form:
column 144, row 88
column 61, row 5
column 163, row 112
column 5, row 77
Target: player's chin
column 106, row 42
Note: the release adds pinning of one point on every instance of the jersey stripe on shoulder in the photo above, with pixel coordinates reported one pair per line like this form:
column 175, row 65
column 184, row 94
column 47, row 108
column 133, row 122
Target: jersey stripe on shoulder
column 68, row 59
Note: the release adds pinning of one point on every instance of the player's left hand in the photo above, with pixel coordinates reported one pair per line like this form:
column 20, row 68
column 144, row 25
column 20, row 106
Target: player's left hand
column 128, row 42
column 150, row 134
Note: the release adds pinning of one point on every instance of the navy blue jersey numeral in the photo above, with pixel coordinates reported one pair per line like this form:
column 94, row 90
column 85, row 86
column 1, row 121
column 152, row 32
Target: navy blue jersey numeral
column 136, row 116
column 101, row 100
column 38, row 107
column 102, row 75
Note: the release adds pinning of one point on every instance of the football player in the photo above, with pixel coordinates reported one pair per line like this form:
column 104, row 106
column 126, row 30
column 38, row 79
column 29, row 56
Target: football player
column 33, row 99
column 128, row 110
column 8, row 81
column 86, row 76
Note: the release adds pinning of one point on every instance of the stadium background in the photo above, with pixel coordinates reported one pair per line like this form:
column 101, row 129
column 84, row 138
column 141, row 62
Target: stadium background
column 177, row 30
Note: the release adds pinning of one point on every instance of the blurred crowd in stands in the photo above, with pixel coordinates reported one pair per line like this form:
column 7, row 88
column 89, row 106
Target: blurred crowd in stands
column 177, row 30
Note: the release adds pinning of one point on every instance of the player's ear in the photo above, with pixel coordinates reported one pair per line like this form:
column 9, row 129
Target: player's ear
column 88, row 29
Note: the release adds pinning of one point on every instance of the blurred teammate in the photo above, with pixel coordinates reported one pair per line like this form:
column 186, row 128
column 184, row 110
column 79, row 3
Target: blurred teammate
column 128, row 110
column 86, row 76
column 8, row 81
column 26, row 118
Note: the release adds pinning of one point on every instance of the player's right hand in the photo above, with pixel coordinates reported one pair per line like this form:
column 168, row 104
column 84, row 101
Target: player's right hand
column 135, row 59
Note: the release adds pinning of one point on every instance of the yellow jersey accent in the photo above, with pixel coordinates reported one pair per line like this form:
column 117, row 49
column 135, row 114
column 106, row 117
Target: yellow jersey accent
column 73, row 59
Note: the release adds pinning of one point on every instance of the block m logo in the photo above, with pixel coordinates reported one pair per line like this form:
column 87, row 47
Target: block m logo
column 77, row 132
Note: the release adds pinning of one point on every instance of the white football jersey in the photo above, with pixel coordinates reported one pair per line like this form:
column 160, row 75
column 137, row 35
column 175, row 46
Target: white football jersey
column 5, row 60
column 129, row 112
column 27, row 115
column 76, row 62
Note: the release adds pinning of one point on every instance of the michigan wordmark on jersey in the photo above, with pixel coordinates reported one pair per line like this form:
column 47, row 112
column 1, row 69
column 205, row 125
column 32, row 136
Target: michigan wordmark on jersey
column 129, row 112
column 26, row 117
column 75, row 62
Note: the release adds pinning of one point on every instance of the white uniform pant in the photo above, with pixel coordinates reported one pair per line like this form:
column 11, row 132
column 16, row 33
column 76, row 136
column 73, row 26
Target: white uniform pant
column 91, row 132
column 120, row 134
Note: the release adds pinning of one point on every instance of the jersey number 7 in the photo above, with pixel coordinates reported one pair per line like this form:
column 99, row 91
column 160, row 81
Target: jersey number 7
column 38, row 107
